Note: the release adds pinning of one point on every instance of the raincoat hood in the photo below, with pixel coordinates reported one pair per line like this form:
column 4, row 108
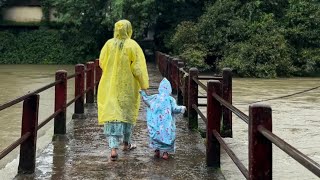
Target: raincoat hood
column 165, row 87
column 122, row 29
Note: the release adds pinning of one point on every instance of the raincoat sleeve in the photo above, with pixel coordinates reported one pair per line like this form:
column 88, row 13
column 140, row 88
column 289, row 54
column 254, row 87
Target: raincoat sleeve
column 175, row 108
column 103, row 54
column 139, row 67
column 146, row 99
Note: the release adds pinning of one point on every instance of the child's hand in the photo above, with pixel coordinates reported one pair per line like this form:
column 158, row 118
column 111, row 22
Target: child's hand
column 143, row 92
column 183, row 109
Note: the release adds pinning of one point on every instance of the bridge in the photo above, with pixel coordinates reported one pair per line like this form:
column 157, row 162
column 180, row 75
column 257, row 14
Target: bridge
column 79, row 149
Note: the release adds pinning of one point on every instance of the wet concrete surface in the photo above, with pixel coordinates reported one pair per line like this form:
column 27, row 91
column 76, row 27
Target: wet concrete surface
column 84, row 154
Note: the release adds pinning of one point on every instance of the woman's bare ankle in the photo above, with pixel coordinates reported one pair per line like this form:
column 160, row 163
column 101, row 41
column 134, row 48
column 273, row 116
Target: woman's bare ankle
column 125, row 146
column 114, row 152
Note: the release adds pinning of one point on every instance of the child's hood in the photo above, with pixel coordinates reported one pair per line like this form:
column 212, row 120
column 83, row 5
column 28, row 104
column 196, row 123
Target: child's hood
column 165, row 87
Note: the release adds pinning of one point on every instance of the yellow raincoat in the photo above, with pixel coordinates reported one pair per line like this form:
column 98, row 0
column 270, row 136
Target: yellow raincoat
column 124, row 74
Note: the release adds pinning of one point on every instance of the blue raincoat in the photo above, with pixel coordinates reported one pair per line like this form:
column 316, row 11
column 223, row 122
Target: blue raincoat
column 160, row 119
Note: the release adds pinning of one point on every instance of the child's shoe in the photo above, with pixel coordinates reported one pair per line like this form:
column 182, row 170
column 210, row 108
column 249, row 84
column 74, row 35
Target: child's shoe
column 165, row 156
column 157, row 153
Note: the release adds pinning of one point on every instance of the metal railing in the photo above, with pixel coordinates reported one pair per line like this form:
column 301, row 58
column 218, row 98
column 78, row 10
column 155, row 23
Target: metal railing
column 30, row 125
column 219, row 107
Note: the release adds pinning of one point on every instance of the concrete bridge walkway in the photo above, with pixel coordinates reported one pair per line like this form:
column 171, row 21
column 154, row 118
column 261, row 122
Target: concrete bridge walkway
column 84, row 153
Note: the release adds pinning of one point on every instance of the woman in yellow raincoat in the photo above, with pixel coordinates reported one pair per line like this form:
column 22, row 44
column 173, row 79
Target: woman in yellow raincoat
column 124, row 73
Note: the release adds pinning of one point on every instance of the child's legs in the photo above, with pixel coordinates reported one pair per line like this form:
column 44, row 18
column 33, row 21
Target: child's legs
column 127, row 133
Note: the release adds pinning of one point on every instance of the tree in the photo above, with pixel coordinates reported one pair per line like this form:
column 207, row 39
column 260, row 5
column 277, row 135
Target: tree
column 256, row 38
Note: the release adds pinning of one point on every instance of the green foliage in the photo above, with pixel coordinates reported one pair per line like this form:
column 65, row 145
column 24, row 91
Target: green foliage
column 170, row 14
column 302, row 22
column 263, row 55
column 255, row 38
column 83, row 24
column 186, row 41
column 141, row 13
column 309, row 61
column 194, row 57
column 37, row 47
column 46, row 9
column 186, row 34
column 95, row 19
column 2, row 3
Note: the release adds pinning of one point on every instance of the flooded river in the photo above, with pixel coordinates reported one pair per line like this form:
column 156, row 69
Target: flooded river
column 295, row 119
column 17, row 80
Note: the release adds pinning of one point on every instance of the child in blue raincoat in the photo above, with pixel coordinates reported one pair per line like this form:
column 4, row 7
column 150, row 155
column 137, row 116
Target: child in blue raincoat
column 160, row 119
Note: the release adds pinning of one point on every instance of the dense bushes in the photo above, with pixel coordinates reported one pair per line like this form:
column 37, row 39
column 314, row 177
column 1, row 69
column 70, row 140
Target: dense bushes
column 41, row 47
column 254, row 38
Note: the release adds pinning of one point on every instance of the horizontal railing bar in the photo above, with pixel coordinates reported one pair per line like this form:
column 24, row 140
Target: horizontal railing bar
column 202, row 105
column 200, row 113
column 231, row 154
column 210, row 78
column 200, row 84
column 202, row 96
column 87, row 70
column 235, row 110
column 185, row 72
column 22, row 98
column 43, row 123
column 46, row 87
column 87, row 90
column 72, row 75
column 14, row 145
column 74, row 100
column 304, row 160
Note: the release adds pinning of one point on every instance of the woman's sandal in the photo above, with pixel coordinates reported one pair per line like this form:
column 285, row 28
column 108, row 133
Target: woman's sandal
column 130, row 147
column 165, row 156
column 157, row 153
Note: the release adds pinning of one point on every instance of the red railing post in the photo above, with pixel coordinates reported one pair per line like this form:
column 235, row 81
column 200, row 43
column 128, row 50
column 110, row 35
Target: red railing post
column 186, row 92
column 167, row 67
column 169, row 76
column 179, row 85
column 29, row 124
column 260, row 148
column 227, row 95
column 60, row 103
column 174, row 75
column 98, row 74
column 157, row 56
column 214, row 114
column 90, row 82
column 193, row 99
column 161, row 63
column 78, row 90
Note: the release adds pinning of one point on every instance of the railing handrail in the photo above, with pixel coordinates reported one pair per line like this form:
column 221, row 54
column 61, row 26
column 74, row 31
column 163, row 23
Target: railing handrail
column 231, row 154
column 22, row 98
column 14, row 145
column 304, row 160
column 263, row 129
column 24, row 136
column 232, row 108
column 204, row 87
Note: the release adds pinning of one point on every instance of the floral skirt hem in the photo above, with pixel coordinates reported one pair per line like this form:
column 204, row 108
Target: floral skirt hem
column 161, row 146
